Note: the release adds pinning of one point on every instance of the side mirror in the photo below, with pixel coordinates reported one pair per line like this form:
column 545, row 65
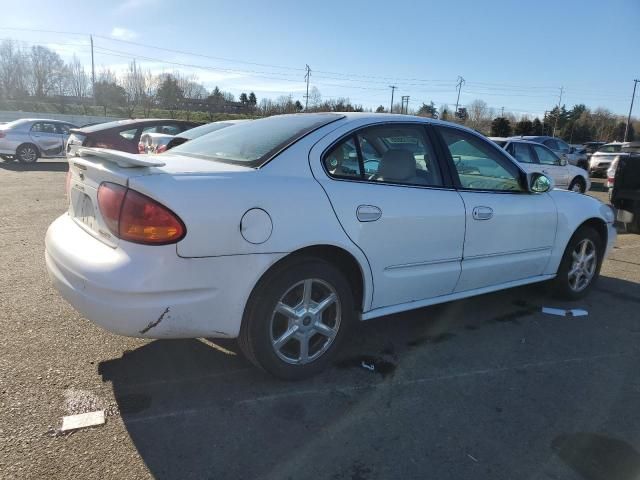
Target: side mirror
column 539, row 183
column 572, row 149
column 563, row 162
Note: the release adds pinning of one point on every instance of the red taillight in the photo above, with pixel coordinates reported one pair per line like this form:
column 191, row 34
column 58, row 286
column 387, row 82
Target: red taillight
column 137, row 218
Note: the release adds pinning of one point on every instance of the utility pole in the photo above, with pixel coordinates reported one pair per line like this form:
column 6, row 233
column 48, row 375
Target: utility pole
column 393, row 89
column 544, row 120
column 555, row 124
column 307, row 76
column 93, row 72
column 459, row 87
column 405, row 109
column 626, row 129
column 502, row 112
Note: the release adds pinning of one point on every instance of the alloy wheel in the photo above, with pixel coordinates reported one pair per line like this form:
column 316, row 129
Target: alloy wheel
column 583, row 267
column 305, row 321
column 28, row 154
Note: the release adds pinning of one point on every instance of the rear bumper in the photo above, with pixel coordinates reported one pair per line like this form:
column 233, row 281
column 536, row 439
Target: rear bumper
column 148, row 291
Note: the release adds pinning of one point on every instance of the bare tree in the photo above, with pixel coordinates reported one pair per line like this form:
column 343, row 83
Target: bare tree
column 480, row 116
column 78, row 81
column 14, row 70
column 133, row 83
column 47, row 68
column 150, row 91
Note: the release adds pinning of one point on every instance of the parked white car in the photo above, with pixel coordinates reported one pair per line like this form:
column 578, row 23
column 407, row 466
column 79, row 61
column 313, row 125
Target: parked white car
column 535, row 157
column 258, row 232
column 601, row 160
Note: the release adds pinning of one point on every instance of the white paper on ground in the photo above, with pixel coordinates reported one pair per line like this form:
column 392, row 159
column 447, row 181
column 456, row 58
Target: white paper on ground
column 83, row 420
column 574, row 312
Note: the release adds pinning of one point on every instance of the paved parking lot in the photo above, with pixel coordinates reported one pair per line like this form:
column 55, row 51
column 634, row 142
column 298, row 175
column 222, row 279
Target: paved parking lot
column 486, row 388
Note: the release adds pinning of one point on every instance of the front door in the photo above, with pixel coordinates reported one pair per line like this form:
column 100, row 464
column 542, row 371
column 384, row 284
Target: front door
column 509, row 231
column 552, row 166
column 387, row 190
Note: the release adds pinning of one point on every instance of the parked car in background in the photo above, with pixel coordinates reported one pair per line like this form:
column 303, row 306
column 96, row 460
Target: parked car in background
column 536, row 157
column 161, row 142
column 601, row 160
column 560, row 148
column 257, row 232
column 623, row 179
column 580, row 151
column 29, row 139
column 592, row 147
column 123, row 135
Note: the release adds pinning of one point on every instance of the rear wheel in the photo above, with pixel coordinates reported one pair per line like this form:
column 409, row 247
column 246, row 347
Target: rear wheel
column 27, row 153
column 296, row 319
column 580, row 265
column 578, row 185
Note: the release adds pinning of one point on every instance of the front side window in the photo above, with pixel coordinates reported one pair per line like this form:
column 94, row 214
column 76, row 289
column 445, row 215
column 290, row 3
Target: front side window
column 522, row 153
column 387, row 154
column 479, row 164
column 562, row 147
column 545, row 156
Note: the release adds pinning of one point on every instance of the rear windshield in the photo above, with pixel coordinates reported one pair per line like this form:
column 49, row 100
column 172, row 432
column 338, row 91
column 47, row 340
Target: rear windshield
column 204, row 129
column 253, row 143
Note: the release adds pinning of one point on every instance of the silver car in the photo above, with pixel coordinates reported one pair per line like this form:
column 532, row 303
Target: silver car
column 536, row 157
column 560, row 148
column 29, row 139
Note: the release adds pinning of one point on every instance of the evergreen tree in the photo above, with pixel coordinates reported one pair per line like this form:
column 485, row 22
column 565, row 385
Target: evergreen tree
column 501, row 127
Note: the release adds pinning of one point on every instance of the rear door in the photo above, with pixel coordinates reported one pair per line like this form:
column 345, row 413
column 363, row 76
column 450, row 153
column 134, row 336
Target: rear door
column 509, row 231
column 552, row 166
column 47, row 138
column 389, row 193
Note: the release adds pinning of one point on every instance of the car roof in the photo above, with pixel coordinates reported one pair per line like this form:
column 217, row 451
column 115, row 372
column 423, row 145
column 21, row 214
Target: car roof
column 125, row 123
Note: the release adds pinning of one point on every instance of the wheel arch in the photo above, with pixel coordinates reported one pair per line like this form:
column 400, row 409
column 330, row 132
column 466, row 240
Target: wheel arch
column 339, row 257
column 599, row 226
column 32, row 144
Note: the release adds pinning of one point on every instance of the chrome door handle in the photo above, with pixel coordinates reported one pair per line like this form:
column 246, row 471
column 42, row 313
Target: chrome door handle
column 482, row 213
column 368, row 213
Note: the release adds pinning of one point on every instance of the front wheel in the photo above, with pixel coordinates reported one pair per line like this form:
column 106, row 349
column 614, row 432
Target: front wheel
column 296, row 318
column 580, row 265
column 578, row 185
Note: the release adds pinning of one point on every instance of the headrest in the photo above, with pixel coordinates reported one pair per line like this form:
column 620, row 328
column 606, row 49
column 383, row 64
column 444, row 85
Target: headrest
column 397, row 164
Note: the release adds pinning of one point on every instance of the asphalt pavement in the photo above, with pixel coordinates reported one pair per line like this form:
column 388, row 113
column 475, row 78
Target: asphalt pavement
column 484, row 388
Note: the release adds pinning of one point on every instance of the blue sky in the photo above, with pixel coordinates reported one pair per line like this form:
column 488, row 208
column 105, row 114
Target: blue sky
column 510, row 54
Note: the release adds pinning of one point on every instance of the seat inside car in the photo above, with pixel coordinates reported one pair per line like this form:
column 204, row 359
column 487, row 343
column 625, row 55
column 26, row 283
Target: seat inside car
column 399, row 165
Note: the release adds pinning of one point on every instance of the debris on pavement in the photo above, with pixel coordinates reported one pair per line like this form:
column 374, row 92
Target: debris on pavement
column 368, row 366
column 472, row 457
column 82, row 420
column 561, row 312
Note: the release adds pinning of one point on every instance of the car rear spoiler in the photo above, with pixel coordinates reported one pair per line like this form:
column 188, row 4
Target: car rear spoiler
column 122, row 159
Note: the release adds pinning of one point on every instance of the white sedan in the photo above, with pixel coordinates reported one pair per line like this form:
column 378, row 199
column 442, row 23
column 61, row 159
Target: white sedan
column 284, row 231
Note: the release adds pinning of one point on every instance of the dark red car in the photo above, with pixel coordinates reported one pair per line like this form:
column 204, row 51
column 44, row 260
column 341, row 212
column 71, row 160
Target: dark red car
column 123, row 135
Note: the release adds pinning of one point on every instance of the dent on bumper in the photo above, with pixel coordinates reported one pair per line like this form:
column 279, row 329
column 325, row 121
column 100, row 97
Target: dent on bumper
column 149, row 291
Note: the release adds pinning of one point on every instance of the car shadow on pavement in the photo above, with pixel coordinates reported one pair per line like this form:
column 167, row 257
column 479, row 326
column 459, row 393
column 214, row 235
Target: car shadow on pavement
column 198, row 409
column 35, row 167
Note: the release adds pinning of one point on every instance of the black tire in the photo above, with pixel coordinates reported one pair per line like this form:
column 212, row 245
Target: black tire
column 27, row 153
column 578, row 185
column 562, row 284
column 256, row 339
column 634, row 226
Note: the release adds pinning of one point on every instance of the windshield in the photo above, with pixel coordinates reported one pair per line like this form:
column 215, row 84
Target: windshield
column 253, row 143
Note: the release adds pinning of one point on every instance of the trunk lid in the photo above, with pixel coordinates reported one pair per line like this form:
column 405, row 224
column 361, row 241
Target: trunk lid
column 93, row 166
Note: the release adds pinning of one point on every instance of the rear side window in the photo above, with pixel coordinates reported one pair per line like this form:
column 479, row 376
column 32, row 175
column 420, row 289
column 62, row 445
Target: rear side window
column 128, row 134
column 254, row 143
column 44, row 127
column 399, row 154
